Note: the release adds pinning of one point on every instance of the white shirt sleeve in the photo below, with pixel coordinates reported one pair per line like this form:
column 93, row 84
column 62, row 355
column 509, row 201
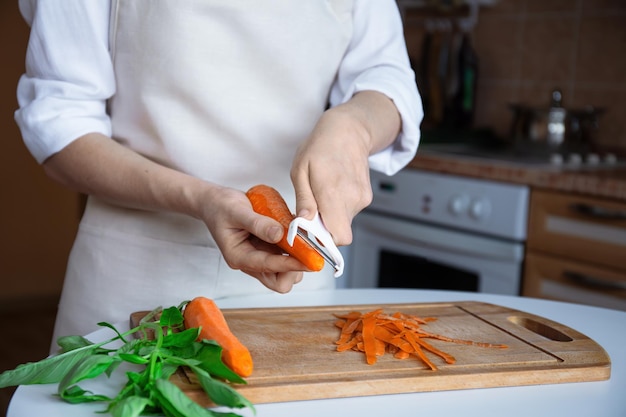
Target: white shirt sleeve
column 377, row 60
column 69, row 74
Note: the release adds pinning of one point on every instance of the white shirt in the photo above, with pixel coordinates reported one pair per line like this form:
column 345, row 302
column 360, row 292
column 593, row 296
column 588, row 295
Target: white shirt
column 69, row 74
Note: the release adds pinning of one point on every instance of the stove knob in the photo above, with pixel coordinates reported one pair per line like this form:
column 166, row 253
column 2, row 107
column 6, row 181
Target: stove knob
column 610, row 158
column 458, row 204
column 480, row 209
column 593, row 159
column 574, row 159
column 556, row 159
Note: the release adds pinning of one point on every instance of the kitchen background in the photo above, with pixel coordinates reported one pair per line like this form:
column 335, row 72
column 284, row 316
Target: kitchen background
column 527, row 48
column 524, row 49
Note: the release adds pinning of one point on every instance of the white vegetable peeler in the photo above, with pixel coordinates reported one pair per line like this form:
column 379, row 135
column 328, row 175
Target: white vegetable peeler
column 314, row 231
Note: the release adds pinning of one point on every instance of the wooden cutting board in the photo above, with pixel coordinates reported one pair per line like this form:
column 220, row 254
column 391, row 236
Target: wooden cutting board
column 295, row 356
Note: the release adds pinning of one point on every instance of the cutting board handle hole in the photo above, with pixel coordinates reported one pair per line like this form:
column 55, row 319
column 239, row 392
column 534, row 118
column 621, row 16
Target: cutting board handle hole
column 540, row 328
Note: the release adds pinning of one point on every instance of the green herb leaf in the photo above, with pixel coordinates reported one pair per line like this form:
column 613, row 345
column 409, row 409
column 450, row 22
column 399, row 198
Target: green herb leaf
column 210, row 357
column 219, row 392
column 77, row 395
column 68, row 343
column 46, row 371
column 171, row 317
column 132, row 406
column 112, row 327
column 133, row 358
column 87, row 368
column 181, row 339
column 176, row 402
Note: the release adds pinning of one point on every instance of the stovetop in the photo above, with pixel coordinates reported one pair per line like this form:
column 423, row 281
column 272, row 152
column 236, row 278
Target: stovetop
column 535, row 158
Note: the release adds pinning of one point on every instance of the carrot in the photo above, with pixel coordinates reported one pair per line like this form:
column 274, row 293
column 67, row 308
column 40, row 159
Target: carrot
column 202, row 312
column 268, row 202
column 375, row 333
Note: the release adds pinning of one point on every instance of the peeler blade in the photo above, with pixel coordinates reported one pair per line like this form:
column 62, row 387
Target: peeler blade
column 326, row 248
column 317, row 248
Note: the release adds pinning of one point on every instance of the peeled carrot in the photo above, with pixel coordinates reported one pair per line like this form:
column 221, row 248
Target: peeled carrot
column 268, row 202
column 202, row 312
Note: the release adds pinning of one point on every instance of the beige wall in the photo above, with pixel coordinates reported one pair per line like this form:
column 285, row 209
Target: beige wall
column 38, row 218
column 528, row 47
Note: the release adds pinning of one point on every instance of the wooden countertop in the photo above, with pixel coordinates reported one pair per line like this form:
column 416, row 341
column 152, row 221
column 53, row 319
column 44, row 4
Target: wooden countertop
column 596, row 182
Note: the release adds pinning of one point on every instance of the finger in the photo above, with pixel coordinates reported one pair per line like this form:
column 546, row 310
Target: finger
column 281, row 282
column 306, row 206
column 255, row 256
column 265, row 228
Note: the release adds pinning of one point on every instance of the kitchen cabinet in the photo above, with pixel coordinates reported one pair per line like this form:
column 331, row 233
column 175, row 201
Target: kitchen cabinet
column 576, row 249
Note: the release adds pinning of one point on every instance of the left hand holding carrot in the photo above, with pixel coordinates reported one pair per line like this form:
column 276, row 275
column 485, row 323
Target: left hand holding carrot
column 247, row 240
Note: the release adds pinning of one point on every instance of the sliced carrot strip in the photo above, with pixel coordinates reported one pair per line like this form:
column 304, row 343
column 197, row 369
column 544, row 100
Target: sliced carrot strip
column 369, row 340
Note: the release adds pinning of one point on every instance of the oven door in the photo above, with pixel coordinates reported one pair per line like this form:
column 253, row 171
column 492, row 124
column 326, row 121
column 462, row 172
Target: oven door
column 393, row 252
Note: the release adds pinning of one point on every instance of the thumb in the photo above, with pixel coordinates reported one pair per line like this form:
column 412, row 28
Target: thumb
column 267, row 229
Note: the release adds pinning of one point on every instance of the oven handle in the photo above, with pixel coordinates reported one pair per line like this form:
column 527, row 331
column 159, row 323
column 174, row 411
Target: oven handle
column 593, row 281
column 443, row 239
column 597, row 212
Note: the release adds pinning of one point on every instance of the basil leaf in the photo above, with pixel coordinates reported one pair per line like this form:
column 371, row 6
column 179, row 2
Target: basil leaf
column 181, row 339
column 168, row 370
column 77, row 395
column 112, row 327
column 87, row 368
column 68, row 343
column 131, row 346
column 171, row 317
column 210, row 357
column 46, row 371
column 131, row 406
column 133, row 358
column 176, row 402
column 219, row 392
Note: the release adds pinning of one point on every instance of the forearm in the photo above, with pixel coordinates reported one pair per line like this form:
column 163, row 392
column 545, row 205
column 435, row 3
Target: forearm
column 377, row 116
column 97, row 165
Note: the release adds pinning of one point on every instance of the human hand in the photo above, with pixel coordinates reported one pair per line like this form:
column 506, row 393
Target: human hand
column 330, row 171
column 247, row 240
column 330, row 174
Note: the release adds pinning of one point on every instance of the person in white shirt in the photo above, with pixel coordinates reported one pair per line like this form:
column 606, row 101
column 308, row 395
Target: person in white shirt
column 166, row 112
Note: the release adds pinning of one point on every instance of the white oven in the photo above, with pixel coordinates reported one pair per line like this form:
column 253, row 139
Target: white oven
column 436, row 231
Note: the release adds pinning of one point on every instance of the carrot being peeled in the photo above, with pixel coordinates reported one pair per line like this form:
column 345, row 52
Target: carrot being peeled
column 267, row 201
column 202, row 312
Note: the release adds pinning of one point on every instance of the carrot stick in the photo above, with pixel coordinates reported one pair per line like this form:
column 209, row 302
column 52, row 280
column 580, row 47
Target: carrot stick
column 267, row 201
column 202, row 312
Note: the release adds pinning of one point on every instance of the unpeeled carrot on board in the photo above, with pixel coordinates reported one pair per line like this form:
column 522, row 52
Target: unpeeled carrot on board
column 202, row 312
column 375, row 333
column 267, row 201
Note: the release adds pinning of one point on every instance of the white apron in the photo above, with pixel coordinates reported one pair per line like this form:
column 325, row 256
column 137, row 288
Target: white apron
column 222, row 90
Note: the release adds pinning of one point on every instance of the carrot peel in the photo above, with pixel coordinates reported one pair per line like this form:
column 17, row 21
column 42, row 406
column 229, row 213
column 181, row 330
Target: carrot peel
column 375, row 333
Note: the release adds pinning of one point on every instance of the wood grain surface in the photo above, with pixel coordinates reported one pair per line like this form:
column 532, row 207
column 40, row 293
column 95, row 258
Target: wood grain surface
column 295, row 355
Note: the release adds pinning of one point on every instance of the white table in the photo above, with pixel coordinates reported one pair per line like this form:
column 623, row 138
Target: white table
column 597, row 399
